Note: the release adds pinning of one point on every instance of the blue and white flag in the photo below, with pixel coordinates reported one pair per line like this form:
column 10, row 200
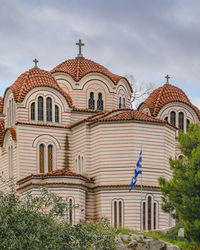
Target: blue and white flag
column 138, row 170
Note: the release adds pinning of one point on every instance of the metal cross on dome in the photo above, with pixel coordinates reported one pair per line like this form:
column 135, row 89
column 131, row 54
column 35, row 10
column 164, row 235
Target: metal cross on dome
column 36, row 62
column 167, row 77
column 80, row 44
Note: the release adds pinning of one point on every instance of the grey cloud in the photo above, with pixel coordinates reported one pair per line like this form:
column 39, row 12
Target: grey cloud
column 145, row 38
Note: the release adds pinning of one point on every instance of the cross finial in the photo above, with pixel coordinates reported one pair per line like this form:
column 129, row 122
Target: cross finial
column 36, row 62
column 80, row 44
column 167, row 77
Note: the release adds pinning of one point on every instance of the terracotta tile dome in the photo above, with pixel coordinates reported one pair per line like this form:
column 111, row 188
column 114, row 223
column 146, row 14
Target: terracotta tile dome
column 164, row 95
column 79, row 67
column 1, row 104
column 33, row 78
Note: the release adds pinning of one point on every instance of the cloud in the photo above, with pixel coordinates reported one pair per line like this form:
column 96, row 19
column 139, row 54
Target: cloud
column 147, row 39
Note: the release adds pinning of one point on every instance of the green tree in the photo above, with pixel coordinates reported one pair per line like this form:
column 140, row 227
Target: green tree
column 182, row 191
column 30, row 222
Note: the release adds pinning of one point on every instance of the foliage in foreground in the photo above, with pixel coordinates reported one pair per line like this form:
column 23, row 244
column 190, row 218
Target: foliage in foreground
column 40, row 223
column 182, row 192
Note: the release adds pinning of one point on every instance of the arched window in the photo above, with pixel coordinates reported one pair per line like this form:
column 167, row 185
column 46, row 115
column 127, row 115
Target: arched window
column 40, row 108
column 166, row 119
column 91, row 101
column 144, row 215
column 41, row 152
column 10, row 112
column 149, row 213
column 79, row 167
column 33, row 111
column 10, row 161
column 117, row 211
column 124, row 103
column 154, row 215
column 50, row 158
column 115, row 214
column 173, row 118
column 79, row 164
column 120, row 102
column 181, row 121
column 100, row 102
column 187, row 124
column 49, row 109
column 56, row 113
column 70, row 210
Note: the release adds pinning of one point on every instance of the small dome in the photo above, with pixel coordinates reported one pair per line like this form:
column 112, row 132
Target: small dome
column 79, row 67
column 164, row 95
column 33, row 78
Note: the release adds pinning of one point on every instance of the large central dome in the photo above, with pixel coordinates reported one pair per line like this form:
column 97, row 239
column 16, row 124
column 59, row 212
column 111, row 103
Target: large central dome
column 79, row 67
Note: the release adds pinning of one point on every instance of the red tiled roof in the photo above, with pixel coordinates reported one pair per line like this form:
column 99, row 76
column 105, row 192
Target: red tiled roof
column 1, row 105
column 79, row 67
column 33, row 78
column 120, row 115
column 13, row 133
column 58, row 172
column 2, row 131
column 164, row 95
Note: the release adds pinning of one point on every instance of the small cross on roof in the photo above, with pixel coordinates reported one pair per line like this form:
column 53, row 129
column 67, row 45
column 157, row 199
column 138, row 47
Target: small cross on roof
column 80, row 44
column 36, row 62
column 167, row 77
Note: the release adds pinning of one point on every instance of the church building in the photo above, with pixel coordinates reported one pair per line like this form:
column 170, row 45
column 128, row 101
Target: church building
column 72, row 129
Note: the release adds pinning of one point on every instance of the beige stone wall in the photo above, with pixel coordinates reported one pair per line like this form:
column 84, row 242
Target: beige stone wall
column 97, row 83
column 115, row 150
column 29, row 138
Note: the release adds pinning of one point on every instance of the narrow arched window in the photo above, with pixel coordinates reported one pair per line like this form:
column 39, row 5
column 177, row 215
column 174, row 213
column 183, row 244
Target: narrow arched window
column 40, row 108
column 149, row 213
column 154, row 215
column 100, row 102
column 115, row 214
column 41, row 152
column 181, row 121
column 173, row 118
column 124, row 103
column 91, row 101
column 166, row 119
column 187, row 125
column 33, row 111
column 10, row 112
column 49, row 109
column 10, row 161
column 120, row 102
column 144, row 215
column 120, row 213
column 50, row 158
column 56, row 113
column 79, row 164
column 70, row 212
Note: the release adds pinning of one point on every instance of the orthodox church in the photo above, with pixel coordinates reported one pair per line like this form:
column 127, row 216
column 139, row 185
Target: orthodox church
column 72, row 129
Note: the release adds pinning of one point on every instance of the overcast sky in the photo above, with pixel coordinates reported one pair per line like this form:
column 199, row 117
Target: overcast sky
column 145, row 38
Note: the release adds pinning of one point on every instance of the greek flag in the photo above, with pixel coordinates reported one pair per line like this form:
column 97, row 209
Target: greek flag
column 138, row 170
